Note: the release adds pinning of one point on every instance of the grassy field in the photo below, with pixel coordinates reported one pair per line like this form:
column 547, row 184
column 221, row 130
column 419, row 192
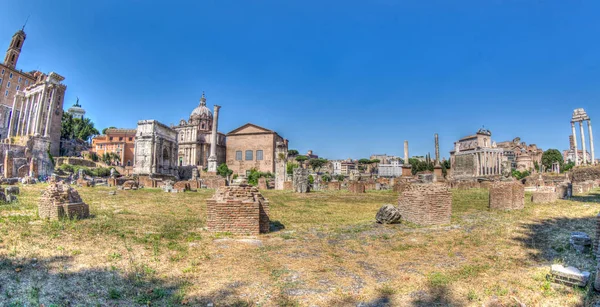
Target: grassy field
column 148, row 247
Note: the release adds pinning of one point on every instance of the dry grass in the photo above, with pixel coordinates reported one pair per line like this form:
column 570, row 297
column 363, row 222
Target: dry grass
column 149, row 247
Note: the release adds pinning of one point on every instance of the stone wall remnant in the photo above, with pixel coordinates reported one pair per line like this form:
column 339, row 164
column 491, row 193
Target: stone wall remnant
column 543, row 197
column 425, row 204
column 300, row 180
column 356, row 187
column 239, row 210
column 507, row 196
column 61, row 200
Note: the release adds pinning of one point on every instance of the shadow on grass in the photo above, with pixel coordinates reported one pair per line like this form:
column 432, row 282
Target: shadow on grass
column 275, row 226
column 48, row 282
column 590, row 197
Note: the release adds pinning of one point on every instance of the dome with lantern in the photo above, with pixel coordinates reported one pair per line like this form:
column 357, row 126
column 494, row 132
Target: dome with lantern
column 201, row 111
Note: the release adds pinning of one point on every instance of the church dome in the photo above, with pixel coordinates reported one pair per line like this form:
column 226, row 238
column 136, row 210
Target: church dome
column 201, row 110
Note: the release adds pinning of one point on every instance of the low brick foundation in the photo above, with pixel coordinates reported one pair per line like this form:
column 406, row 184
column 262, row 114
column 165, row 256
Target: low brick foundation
column 400, row 187
column 147, row 182
column 181, row 186
column 564, row 190
column 60, row 200
column 543, row 197
column 356, row 187
column 288, row 185
column 334, row 186
column 214, row 182
column 507, row 196
column 425, row 204
column 238, row 210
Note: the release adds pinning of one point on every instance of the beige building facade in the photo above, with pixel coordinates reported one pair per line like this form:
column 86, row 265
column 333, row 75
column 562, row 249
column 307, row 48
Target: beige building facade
column 476, row 156
column 253, row 147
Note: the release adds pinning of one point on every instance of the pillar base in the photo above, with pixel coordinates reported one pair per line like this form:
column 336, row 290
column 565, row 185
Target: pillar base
column 406, row 171
column 437, row 173
column 212, row 164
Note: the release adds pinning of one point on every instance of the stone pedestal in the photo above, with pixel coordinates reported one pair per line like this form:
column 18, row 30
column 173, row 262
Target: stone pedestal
column 438, row 175
column 406, row 171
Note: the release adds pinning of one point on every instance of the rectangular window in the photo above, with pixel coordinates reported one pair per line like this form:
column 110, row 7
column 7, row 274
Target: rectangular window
column 20, row 79
column 26, row 82
column 259, row 155
column 2, row 72
column 18, row 87
column 0, row 81
column 6, row 93
column 110, row 138
column 249, row 155
column 238, row 155
column 120, row 138
column 8, row 84
column 10, row 75
column 130, row 139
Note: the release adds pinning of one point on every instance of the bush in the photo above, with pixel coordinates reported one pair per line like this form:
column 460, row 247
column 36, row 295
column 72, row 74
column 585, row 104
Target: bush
column 326, row 178
column 311, row 179
column 520, row 175
column 66, row 168
column 254, row 175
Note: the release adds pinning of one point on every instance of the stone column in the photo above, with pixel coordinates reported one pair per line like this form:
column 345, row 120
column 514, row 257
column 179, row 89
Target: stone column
column 29, row 113
column 38, row 115
column 437, row 150
column 18, row 119
column 591, row 141
column 49, row 117
column 12, row 114
column 575, row 143
column 406, row 153
column 212, row 160
column 582, row 141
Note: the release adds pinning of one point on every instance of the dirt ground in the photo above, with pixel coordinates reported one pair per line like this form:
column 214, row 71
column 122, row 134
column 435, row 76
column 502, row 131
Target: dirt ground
column 147, row 247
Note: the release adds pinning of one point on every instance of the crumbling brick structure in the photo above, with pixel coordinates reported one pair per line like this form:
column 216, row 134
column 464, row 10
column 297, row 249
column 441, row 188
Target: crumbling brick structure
column 262, row 183
column 543, row 196
column 181, row 186
column 288, row 185
column 425, row 204
column 356, row 187
column 507, row 196
column 334, row 186
column 239, row 210
column 60, row 200
column 399, row 187
column 564, row 190
column 214, row 182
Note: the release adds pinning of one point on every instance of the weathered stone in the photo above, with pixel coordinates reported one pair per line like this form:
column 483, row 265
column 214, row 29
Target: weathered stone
column 239, row 210
column 570, row 276
column 112, row 192
column 356, row 187
column 9, row 198
column 262, row 183
column 543, row 197
column 388, row 214
column 60, row 200
column 581, row 242
column 300, row 180
column 11, row 190
column 130, row 185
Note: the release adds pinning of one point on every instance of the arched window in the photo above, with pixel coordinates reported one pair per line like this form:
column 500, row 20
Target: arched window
column 128, row 162
column 18, row 43
column 12, row 58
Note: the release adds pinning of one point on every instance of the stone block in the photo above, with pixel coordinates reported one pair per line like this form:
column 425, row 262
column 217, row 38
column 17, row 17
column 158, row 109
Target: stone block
column 262, row 183
column 570, row 276
column 334, row 186
column 507, row 196
column 388, row 214
column 11, row 190
column 581, row 242
column 300, row 180
column 425, row 204
column 288, row 186
column 181, row 186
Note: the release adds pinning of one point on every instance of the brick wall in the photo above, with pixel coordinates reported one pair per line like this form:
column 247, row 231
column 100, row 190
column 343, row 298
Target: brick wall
column 425, row 204
column 181, row 186
column 214, row 182
column 507, row 196
column 60, row 200
column 542, row 197
column 238, row 210
column 356, row 187
column 288, row 185
column 564, row 190
column 334, row 186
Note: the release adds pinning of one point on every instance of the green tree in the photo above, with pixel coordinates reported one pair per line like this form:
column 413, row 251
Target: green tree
column 550, row 156
column 364, row 161
column 224, row 171
column 104, row 130
column 76, row 128
column 340, row 177
column 326, row 178
column 301, row 158
column 289, row 168
column 567, row 166
column 292, row 153
column 375, row 161
column 317, row 163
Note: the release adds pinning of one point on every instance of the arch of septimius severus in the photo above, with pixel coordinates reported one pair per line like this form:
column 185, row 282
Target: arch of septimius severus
column 579, row 116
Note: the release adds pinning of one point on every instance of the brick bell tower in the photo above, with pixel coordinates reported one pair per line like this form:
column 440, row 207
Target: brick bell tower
column 14, row 49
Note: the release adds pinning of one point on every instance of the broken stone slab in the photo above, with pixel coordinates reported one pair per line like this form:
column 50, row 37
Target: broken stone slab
column 581, row 242
column 13, row 190
column 570, row 276
column 10, row 198
column 388, row 214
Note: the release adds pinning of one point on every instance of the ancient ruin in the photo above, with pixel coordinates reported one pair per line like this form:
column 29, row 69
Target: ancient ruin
column 61, row 200
column 507, row 196
column 300, row 180
column 356, row 187
column 476, row 156
column 388, row 214
column 155, row 150
column 425, row 204
column 239, row 210
column 580, row 116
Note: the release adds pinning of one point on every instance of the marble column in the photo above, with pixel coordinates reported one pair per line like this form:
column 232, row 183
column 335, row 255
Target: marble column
column 437, row 150
column 29, row 113
column 591, row 141
column 582, row 142
column 49, row 117
column 38, row 115
column 12, row 114
column 575, row 143
column 212, row 160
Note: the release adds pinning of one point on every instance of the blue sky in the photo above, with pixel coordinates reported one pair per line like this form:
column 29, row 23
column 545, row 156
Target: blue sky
column 343, row 78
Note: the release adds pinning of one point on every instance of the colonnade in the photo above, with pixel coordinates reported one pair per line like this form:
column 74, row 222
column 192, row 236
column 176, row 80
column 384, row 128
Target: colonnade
column 581, row 120
column 488, row 162
column 32, row 111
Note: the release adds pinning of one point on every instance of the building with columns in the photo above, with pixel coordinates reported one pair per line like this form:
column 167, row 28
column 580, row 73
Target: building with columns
column 580, row 116
column 195, row 137
column 476, row 156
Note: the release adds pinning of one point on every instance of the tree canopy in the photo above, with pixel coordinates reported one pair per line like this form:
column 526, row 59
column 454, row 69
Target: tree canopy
column 76, row 128
column 550, row 156
column 317, row 163
column 104, row 130
column 301, row 158
column 292, row 153
column 364, row 161
column 223, row 170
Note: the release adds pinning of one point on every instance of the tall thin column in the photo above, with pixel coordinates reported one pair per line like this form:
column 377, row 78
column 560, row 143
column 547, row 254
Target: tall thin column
column 437, row 150
column 575, row 143
column 12, row 114
column 29, row 120
column 38, row 115
column 212, row 160
column 49, row 117
column 406, row 153
column 18, row 119
column 582, row 142
column 591, row 141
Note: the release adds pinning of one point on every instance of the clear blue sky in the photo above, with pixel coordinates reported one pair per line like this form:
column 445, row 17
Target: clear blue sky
column 343, row 78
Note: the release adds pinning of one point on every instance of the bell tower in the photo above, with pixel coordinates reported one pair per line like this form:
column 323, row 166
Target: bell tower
column 14, row 49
